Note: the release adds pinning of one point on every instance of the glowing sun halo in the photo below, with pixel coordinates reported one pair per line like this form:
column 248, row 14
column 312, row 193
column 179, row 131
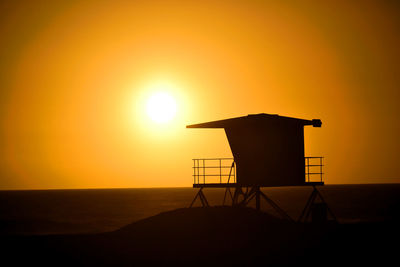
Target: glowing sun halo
column 161, row 107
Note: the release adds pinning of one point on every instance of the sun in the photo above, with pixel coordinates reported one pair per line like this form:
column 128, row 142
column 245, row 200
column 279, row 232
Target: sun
column 161, row 107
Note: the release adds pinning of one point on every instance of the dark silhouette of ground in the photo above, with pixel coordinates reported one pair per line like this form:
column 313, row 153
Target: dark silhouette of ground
column 216, row 236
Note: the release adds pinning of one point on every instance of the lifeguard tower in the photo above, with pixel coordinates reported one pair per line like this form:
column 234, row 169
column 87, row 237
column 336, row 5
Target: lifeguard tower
column 268, row 151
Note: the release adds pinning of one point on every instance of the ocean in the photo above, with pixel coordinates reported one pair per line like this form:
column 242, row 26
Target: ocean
column 40, row 212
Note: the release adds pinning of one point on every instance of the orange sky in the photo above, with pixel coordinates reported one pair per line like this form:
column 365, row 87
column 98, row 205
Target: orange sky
column 75, row 76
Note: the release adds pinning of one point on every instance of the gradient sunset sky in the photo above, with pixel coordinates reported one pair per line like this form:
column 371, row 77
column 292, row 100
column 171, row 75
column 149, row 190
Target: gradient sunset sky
column 76, row 76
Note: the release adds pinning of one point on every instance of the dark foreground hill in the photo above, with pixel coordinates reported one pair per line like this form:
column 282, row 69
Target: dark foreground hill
column 212, row 236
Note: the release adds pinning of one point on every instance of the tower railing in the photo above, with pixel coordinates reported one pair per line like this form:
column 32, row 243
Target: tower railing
column 214, row 170
column 223, row 170
column 313, row 169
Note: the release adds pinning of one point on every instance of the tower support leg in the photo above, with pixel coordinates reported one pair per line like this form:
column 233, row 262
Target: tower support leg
column 202, row 198
column 310, row 202
column 281, row 212
column 228, row 189
column 236, row 194
column 255, row 192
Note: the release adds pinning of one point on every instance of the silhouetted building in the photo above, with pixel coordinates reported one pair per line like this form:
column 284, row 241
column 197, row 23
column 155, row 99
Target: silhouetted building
column 268, row 151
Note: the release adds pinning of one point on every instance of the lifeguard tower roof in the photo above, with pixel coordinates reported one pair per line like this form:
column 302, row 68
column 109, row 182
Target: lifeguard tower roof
column 268, row 149
column 254, row 119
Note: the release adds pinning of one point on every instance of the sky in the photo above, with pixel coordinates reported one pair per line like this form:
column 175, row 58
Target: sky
column 75, row 78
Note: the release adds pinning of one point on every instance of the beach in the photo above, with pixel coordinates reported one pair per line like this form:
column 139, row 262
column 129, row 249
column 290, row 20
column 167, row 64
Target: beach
column 142, row 227
column 101, row 210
